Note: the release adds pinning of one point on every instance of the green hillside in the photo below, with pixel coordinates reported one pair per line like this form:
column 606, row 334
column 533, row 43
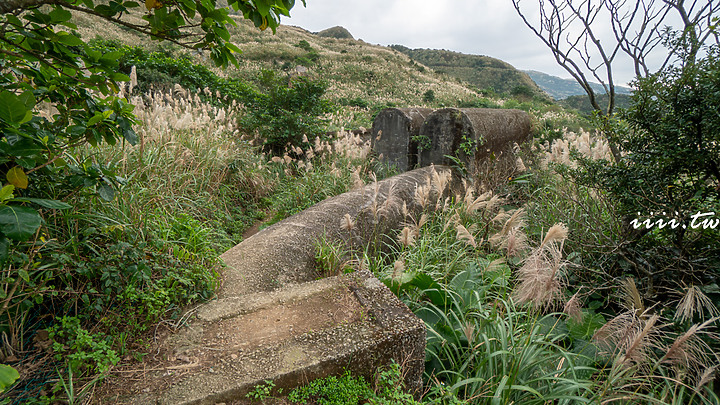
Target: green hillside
column 482, row 72
column 360, row 76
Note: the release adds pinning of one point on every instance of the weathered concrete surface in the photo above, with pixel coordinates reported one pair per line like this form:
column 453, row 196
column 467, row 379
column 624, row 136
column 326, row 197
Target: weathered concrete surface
column 392, row 135
column 356, row 323
column 284, row 253
column 489, row 131
column 274, row 321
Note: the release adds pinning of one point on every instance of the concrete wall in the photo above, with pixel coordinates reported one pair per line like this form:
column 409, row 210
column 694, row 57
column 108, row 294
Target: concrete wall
column 489, row 131
column 284, row 253
column 392, row 135
column 473, row 135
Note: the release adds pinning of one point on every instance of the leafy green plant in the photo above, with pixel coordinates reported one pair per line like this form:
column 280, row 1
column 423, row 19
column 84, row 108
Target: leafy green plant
column 261, row 392
column 389, row 386
column 429, row 96
column 423, row 142
column 8, row 376
column 286, row 112
column 331, row 258
column 343, row 390
column 83, row 351
column 667, row 175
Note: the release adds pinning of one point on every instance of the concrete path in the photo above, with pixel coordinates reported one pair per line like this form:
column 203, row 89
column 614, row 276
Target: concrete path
column 275, row 319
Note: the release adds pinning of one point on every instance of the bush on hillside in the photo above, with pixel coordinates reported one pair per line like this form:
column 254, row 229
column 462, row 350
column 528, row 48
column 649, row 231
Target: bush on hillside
column 287, row 112
column 669, row 173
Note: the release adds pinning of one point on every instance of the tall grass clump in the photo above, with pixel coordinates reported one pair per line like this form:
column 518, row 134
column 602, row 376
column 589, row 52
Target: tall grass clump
column 506, row 321
column 324, row 169
column 138, row 245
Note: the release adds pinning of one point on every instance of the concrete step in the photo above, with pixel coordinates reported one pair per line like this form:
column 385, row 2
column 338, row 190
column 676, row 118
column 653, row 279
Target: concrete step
column 291, row 336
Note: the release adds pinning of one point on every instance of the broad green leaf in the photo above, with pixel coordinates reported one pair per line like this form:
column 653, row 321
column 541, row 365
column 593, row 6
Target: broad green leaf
column 28, row 99
column 17, row 177
column 8, row 376
column 7, row 193
column 13, row 20
column 69, row 39
column 59, row 15
column 19, row 223
column 95, row 119
column 119, row 77
column 263, row 7
column 12, row 108
column 24, row 275
column 105, row 10
column 52, row 204
column 106, row 192
column 27, row 163
column 222, row 33
column 233, row 48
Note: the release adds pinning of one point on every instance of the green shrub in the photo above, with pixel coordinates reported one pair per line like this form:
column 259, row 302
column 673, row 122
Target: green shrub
column 389, row 386
column 350, row 390
column 354, row 102
column 84, row 352
column 668, row 173
column 162, row 71
column 429, row 96
column 286, row 112
column 343, row 390
column 261, row 392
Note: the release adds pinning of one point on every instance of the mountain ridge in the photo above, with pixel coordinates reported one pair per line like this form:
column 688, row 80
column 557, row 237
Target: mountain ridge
column 480, row 71
column 560, row 89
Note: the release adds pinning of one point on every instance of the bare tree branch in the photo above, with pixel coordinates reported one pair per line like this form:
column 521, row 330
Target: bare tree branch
column 11, row 6
column 570, row 29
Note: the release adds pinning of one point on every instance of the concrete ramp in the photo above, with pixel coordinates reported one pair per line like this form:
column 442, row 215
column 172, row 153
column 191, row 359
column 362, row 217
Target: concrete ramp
column 276, row 320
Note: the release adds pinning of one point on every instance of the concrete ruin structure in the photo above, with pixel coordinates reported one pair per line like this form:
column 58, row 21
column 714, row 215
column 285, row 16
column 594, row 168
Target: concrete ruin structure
column 419, row 137
column 394, row 134
column 276, row 319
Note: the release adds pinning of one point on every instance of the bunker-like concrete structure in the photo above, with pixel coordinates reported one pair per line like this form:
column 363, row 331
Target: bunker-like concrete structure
column 276, row 320
column 470, row 134
column 393, row 133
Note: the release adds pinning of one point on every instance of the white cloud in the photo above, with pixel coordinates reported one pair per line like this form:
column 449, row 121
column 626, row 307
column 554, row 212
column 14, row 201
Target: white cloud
column 481, row 27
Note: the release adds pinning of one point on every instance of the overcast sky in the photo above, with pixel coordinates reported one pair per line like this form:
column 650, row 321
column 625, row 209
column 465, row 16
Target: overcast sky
column 480, row 27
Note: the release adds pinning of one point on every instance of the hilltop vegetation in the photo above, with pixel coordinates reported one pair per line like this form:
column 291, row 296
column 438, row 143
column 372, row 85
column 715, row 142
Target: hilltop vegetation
column 361, row 78
column 336, row 32
column 480, row 72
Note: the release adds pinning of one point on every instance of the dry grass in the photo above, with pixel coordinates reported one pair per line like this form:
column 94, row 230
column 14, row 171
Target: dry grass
column 541, row 279
column 587, row 144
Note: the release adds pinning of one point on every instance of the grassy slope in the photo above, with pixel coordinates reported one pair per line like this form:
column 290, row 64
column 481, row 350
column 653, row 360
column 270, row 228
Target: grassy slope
column 354, row 69
column 482, row 72
column 370, row 75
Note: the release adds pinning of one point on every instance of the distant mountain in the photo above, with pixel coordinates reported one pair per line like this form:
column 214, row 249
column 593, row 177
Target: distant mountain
column 336, row 32
column 481, row 72
column 559, row 88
